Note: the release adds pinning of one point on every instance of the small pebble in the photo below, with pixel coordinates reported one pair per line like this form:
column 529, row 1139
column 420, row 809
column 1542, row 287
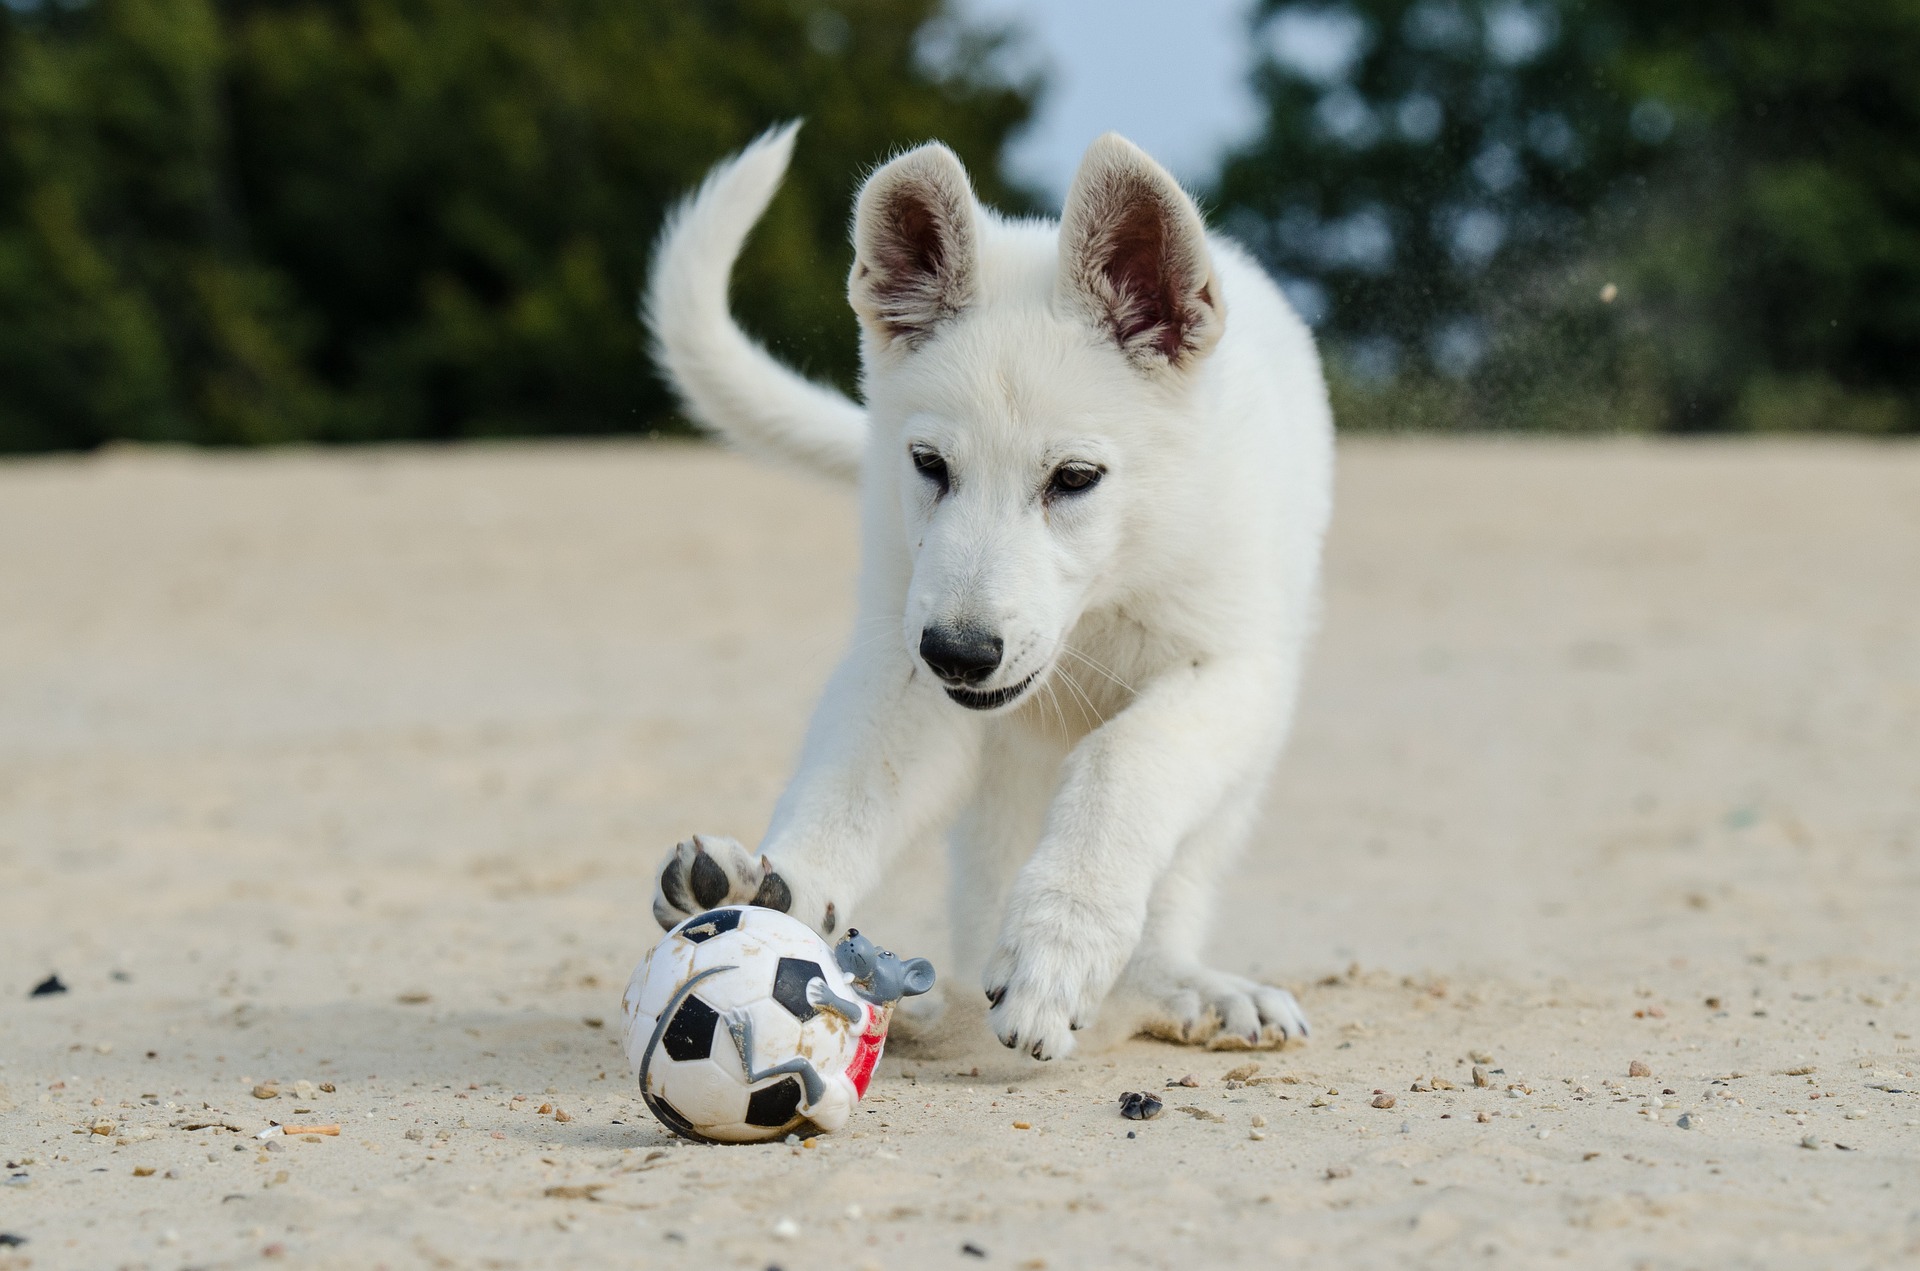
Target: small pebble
column 1256, row 1135
column 1482, row 1117
column 48, row 987
column 1137, row 1106
column 1480, row 1077
column 1188, row 1080
column 1340, row 1171
column 1544, row 1134
column 1259, row 1122
column 266, row 1092
column 1686, row 1121
column 1022, row 1125
column 1639, row 1068
column 1480, row 1056
column 1383, row 1101
column 1809, row 1142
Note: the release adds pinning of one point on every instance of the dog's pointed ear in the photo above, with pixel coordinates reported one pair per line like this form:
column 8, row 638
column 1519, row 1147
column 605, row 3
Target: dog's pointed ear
column 1134, row 259
column 915, row 246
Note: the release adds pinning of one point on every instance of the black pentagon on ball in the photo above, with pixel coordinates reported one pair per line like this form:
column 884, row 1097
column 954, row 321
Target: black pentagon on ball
column 689, row 1034
column 775, row 1105
column 710, row 924
column 790, row 986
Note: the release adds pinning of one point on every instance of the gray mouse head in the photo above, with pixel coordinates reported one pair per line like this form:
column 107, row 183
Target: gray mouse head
column 877, row 975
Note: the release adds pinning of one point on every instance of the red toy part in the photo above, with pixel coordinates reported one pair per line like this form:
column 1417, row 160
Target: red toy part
column 867, row 1056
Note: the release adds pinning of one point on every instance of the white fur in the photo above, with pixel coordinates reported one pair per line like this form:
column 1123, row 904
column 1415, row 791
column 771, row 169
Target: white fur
column 1164, row 612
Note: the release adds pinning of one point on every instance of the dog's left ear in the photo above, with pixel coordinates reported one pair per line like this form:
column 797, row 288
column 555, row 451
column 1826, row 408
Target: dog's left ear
column 915, row 246
column 1134, row 259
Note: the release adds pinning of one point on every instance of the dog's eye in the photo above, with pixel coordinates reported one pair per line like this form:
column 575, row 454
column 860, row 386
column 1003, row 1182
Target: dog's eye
column 1074, row 478
column 928, row 463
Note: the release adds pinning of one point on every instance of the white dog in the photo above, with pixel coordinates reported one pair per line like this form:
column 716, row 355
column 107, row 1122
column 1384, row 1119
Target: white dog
column 1095, row 465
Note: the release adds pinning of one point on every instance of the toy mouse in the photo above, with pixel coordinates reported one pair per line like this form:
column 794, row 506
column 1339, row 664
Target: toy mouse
column 879, row 980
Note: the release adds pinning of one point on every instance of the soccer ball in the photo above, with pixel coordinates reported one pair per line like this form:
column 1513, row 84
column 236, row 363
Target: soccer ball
column 726, row 1037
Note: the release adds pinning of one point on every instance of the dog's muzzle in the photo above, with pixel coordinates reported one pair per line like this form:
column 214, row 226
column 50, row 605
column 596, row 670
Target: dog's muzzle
column 989, row 699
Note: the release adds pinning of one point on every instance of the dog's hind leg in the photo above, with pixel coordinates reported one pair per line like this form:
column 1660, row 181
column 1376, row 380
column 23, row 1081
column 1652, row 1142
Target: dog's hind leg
column 1174, row 993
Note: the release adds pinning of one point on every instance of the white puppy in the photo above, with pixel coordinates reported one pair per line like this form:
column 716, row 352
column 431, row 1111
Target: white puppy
column 1095, row 465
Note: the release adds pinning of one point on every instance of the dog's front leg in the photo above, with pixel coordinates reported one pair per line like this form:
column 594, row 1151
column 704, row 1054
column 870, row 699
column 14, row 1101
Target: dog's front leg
column 1131, row 791
column 886, row 760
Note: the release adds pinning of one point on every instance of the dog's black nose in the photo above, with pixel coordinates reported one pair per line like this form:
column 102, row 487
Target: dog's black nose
column 960, row 655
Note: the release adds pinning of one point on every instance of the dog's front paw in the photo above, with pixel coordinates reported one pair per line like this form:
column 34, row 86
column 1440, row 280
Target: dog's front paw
column 1046, row 981
column 709, row 870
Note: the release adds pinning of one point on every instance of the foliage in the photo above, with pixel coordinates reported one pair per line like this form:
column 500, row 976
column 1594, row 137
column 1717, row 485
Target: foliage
column 1597, row 213
column 240, row 221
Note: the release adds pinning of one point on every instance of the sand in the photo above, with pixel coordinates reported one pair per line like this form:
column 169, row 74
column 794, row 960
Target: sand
column 350, row 769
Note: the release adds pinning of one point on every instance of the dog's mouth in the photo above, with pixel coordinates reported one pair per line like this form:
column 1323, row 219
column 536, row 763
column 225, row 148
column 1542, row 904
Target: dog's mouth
column 989, row 699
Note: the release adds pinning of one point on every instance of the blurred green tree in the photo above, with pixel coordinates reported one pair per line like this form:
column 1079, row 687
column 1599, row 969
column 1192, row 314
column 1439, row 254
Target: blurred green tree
column 1596, row 213
column 236, row 221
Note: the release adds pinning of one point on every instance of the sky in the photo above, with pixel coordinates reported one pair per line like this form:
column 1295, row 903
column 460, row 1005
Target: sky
column 1168, row 74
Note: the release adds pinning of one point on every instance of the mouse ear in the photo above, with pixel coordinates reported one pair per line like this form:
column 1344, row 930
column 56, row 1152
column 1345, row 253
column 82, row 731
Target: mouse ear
column 918, row 979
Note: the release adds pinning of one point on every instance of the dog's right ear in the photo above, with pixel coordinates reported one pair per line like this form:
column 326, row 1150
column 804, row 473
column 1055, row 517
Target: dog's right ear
column 1134, row 259
column 915, row 246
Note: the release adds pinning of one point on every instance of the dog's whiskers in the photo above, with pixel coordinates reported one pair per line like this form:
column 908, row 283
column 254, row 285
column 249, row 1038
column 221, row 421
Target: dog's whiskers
column 1072, row 652
column 1091, row 712
column 1053, row 699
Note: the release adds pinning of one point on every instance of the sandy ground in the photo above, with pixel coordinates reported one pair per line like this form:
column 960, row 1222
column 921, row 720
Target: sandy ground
column 344, row 773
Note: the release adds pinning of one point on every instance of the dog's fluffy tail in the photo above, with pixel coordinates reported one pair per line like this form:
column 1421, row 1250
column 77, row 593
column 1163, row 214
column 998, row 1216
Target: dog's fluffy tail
column 727, row 382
